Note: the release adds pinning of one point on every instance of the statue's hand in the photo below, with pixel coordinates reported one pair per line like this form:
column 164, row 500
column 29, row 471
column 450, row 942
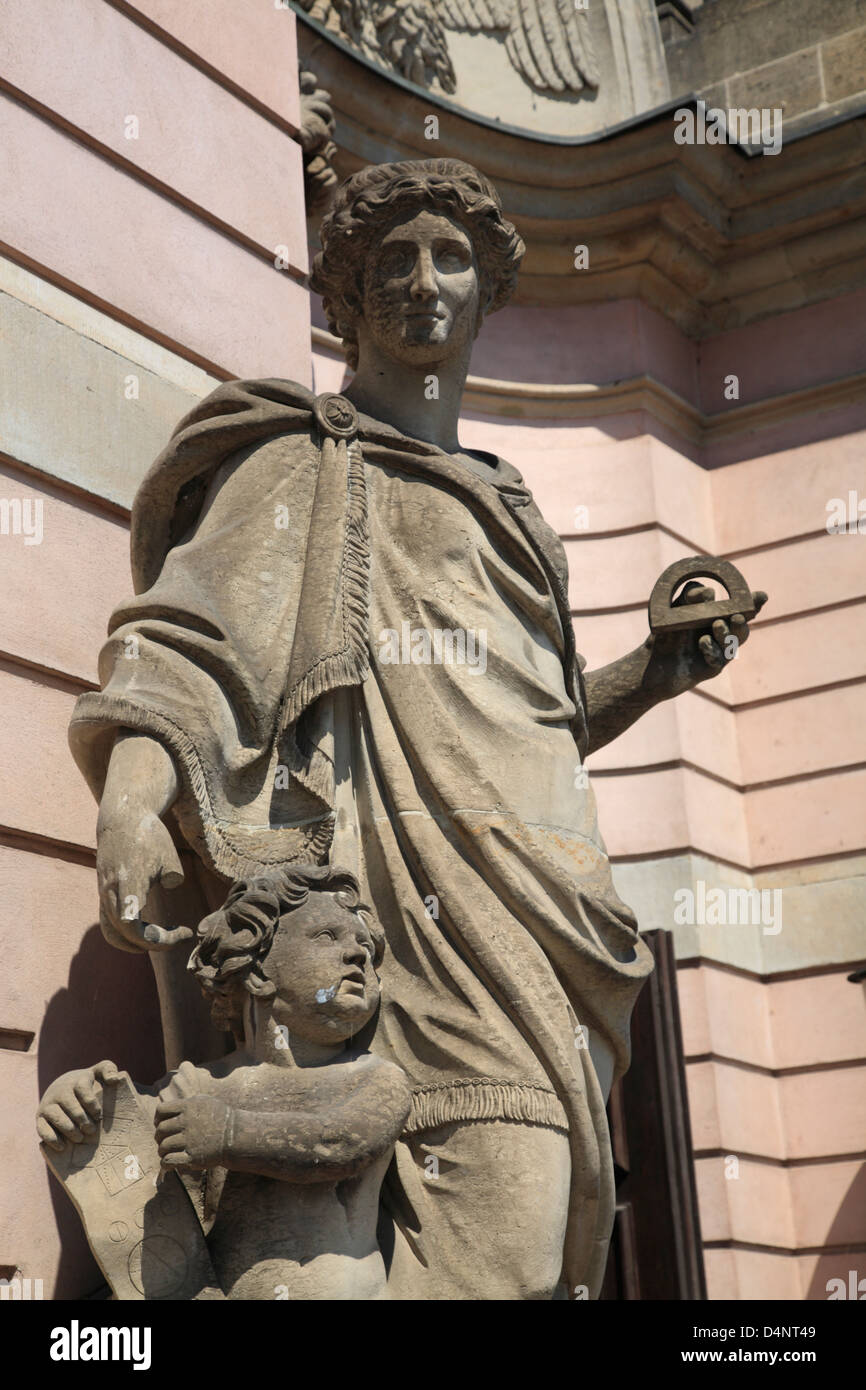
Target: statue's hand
column 681, row 660
column 192, row 1132
column 71, row 1108
column 134, row 853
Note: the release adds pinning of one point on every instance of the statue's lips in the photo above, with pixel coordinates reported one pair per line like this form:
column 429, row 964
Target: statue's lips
column 353, row 984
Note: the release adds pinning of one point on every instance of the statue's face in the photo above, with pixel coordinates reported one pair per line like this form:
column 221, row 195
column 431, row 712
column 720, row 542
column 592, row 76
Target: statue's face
column 321, row 964
column 421, row 290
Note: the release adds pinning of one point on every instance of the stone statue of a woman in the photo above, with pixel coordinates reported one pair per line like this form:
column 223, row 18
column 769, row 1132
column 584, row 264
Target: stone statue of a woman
column 351, row 643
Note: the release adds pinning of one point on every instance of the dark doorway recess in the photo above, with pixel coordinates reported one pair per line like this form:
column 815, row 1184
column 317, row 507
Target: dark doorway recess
column 656, row 1248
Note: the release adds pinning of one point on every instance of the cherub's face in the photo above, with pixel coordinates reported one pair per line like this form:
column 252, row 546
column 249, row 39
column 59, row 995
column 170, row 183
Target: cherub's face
column 421, row 290
column 321, row 964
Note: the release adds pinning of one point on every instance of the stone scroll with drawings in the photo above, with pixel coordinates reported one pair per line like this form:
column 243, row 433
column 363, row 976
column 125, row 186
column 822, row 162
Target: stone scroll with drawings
column 351, row 645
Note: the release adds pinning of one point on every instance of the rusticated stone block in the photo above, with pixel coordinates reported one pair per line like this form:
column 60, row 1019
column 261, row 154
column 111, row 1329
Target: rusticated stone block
column 793, row 83
column 844, row 61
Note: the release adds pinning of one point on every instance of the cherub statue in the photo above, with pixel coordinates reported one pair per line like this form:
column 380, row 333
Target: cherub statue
column 291, row 1133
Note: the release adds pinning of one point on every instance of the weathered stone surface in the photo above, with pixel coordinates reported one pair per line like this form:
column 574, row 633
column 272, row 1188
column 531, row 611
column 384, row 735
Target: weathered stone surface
column 351, row 643
column 844, row 61
column 792, row 84
column 291, row 1133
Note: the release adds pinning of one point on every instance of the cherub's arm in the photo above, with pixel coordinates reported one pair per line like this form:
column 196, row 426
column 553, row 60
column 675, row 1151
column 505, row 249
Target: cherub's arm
column 300, row 1146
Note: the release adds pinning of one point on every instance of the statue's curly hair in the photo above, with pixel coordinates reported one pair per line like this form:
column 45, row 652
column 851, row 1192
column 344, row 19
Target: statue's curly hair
column 234, row 941
column 372, row 199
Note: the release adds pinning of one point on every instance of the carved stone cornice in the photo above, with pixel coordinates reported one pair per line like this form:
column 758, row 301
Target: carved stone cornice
column 708, row 235
column 584, row 401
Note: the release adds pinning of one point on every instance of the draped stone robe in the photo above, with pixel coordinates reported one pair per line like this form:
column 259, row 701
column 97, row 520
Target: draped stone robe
column 287, row 569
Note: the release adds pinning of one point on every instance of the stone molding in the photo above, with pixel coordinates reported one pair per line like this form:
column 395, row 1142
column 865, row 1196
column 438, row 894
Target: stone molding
column 581, row 401
column 709, row 236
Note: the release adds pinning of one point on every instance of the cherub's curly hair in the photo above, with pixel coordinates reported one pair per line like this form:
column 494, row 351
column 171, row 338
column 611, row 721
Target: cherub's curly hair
column 374, row 197
column 234, row 941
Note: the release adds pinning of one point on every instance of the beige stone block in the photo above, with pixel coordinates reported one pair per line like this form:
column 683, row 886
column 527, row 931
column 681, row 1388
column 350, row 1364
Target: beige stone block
column 614, row 570
column 810, row 734
column 203, row 292
column 816, row 1272
column 246, row 171
column 699, row 732
column 793, row 83
column 735, row 1109
column 720, row 1271
column 42, row 792
column 648, row 813
column 834, row 645
column 123, row 394
column 694, row 1012
column 828, row 1202
column 652, row 887
column 822, row 1112
column 59, row 594
column 822, row 817
column 756, row 1274
column 814, row 895
column 819, row 1018
column 813, row 573
column 844, row 62
column 653, row 739
column 824, row 911
column 254, row 48
column 744, row 1201
column 603, row 638
column 738, row 1017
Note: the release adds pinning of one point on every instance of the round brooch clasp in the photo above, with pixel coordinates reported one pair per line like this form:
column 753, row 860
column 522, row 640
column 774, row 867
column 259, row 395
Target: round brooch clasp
column 336, row 416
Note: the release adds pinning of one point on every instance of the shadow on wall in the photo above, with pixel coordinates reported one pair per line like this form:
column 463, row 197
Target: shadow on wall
column 109, row 1009
column 845, row 1231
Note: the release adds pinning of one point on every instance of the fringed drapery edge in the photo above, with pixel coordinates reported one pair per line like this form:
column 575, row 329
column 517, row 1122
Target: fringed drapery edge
column 351, row 664
column 229, row 858
column 483, row 1098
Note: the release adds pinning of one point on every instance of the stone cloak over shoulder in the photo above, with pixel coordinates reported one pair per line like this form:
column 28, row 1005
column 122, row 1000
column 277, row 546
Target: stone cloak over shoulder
column 251, row 561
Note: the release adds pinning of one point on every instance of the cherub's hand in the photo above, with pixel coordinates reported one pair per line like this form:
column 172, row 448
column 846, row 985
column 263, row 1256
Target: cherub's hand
column 192, row 1131
column 681, row 660
column 71, row 1108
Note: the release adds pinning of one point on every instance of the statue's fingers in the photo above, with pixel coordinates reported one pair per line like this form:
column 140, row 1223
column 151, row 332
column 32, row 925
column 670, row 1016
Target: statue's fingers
column 179, row 1159
column 185, row 1080
column 711, row 652
column 759, row 598
column 172, row 1144
column 107, row 1073
column 166, row 1128
column 158, row 938
column 739, row 628
column 48, row 1135
column 694, row 593
column 720, row 631
column 88, row 1094
column 167, row 1110
column 61, row 1122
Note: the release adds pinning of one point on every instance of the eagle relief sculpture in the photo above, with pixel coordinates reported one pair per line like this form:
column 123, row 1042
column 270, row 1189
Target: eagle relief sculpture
column 341, row 736
column 548, row 41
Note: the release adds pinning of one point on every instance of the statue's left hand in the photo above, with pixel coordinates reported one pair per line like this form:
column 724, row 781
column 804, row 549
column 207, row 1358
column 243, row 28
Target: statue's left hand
column 192, row 1132
column 681, row 660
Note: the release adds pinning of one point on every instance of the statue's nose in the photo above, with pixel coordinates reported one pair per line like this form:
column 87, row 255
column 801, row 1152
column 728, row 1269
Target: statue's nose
column 424, row 280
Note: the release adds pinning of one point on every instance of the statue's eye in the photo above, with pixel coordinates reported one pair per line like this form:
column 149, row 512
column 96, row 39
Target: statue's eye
column 326, row 935
column 396, row 262
column 452, row 257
